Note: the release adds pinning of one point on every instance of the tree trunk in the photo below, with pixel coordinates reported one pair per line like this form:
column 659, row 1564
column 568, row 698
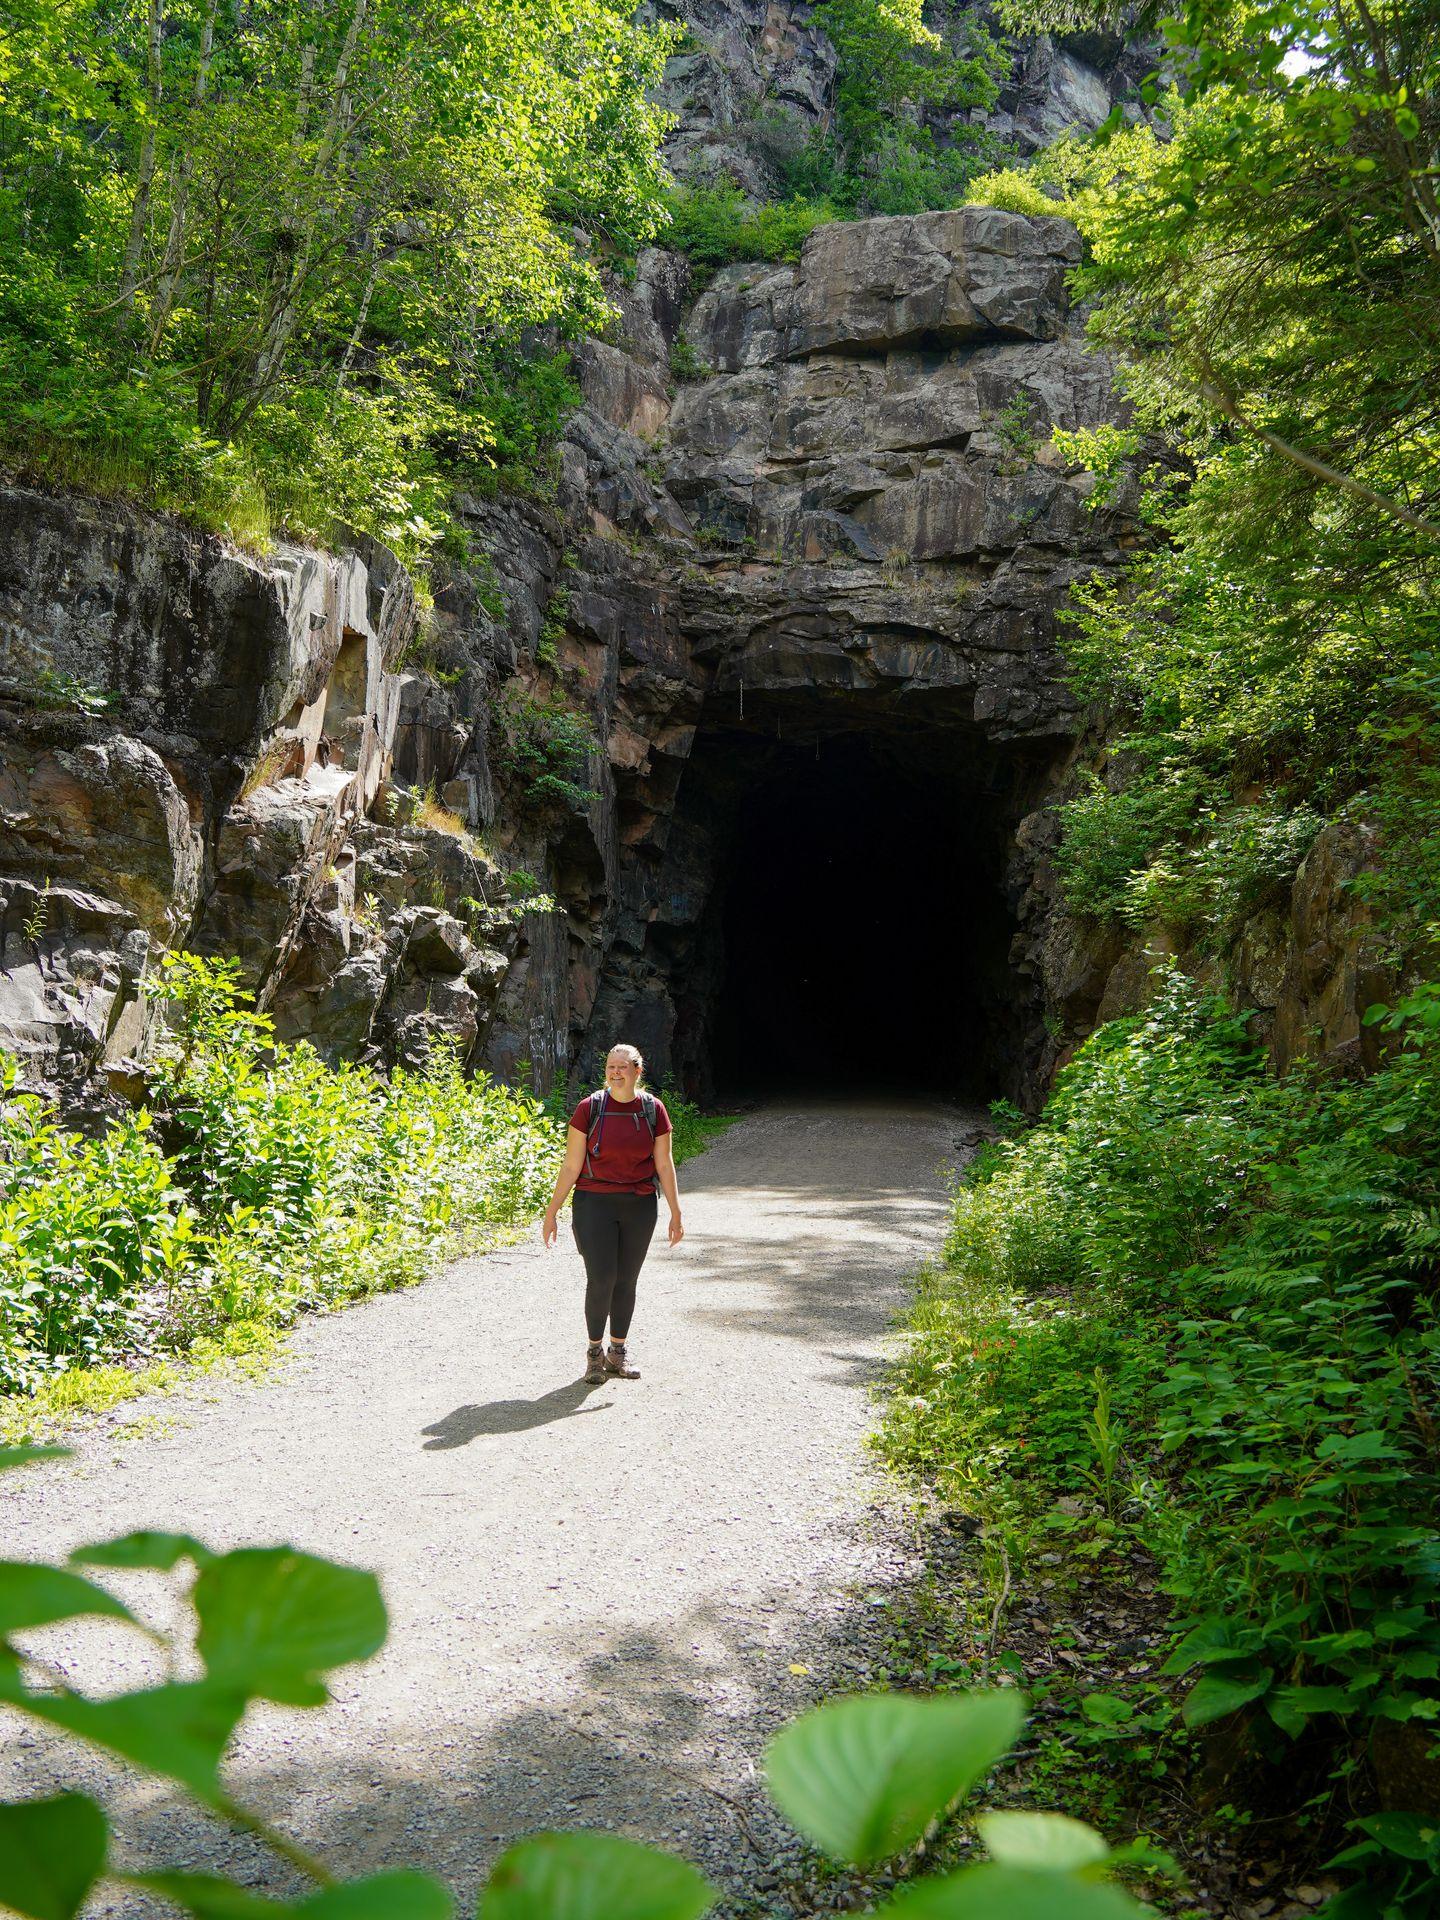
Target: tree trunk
column 173, row 262
column 285, row 310
column 144, row 179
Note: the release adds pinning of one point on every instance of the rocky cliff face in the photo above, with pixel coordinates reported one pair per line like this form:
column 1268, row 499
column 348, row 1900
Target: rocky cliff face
column 766, row 698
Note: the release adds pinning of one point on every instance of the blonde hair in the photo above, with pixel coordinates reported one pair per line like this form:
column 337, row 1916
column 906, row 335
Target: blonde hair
column 631, row 1053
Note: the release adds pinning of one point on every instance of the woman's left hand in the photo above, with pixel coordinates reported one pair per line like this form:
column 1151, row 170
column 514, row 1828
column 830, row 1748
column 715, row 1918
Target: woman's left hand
column 677, row 1230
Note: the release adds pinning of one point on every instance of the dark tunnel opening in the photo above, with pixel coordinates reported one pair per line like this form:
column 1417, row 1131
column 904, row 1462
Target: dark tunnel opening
column 855, row 934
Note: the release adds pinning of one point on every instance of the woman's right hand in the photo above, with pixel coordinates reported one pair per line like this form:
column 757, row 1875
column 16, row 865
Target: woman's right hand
column 549, row 1227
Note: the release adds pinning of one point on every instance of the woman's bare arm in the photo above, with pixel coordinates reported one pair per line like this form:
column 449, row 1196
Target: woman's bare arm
column 665, row 1171
column 571, row 1168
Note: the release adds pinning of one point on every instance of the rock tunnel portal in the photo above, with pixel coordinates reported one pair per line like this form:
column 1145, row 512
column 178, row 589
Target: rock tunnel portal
column 833, row 911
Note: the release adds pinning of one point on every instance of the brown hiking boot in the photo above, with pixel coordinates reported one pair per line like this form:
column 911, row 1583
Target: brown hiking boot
column 617, row 1366
column 595, row 1367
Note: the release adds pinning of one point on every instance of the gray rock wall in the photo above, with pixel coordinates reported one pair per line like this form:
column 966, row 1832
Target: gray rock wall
column 191, row 742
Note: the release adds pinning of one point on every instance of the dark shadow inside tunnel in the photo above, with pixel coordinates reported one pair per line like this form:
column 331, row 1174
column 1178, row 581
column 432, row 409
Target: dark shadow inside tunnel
column 854, row 934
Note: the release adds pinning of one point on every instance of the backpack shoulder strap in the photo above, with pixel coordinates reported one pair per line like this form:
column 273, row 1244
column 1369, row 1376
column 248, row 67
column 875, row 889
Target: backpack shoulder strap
column 647, row 1107
column 594, row 1121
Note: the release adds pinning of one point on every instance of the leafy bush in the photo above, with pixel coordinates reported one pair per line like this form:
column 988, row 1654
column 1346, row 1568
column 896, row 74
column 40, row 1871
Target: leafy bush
column 547, row 744
column 1250, row 1265
column 259, row 1182
column 715, row 224
column 865, row 1779
column 892, row 71
column 1012, row 190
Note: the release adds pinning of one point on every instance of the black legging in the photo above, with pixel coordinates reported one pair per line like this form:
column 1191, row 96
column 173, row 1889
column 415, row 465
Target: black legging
column 612, row 1231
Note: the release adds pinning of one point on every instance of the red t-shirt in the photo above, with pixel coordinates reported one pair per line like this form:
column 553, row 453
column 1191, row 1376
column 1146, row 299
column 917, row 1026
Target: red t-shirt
column 622, row 1153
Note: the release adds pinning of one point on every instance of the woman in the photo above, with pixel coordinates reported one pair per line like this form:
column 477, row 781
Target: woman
column 617, row 1152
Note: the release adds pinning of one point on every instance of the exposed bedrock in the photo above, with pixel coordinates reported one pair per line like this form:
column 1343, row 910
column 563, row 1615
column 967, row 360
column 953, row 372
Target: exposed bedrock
column 190, row 741
column 830, row 582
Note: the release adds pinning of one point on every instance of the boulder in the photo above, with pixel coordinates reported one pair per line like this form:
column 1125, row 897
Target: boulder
column 958, row 275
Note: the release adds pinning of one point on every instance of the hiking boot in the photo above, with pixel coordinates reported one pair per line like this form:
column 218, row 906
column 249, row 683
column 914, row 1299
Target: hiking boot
column 595, row 1367
column 616, row 1364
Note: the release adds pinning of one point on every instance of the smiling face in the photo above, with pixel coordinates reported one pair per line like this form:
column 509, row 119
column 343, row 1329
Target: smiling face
column 622, row 1073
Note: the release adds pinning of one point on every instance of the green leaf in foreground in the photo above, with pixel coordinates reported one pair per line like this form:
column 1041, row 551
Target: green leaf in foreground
column 272, row 1620
column 32, row 1595
column 864, row 1778
column 592, row 1876
column 1011, row 1893
column 21, row 1456
column 381, row 1896
column 1217, row 1694
column 51, row 1853
column 180, row 1731
column 1045, row 1842
column 162, row 1551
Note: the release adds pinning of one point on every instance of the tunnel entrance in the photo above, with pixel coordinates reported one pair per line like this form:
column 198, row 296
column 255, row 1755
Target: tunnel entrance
column 835, row 917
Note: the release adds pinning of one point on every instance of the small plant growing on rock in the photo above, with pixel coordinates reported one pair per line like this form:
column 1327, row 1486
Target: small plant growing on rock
column 1015, row 434
column 685, row 362
column 39, row 917
column 546, row 744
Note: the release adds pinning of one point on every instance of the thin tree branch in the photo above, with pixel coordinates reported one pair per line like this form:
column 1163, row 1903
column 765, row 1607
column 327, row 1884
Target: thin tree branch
column 1227, row 404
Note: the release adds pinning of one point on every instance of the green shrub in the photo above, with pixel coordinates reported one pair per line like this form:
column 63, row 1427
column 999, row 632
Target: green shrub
column 1249, row 1263
column 545, row 743
column 715, row 224
column 1012, row 191
column 282, row 1184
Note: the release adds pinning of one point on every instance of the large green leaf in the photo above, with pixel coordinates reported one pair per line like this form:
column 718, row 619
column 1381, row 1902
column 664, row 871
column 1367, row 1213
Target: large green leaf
column 1217, row 1694
column 382, row 1896
column 1010, row 1893
column 51, row 1853
column 1046, row 1842
column 180, row 1730
column 1414, row 1836
column 273, row 1620
column 34, row 1595
column 592, row 1876
column 159, row 1550
column 21, row 1456
column 864, row 1778
column 207, row 1896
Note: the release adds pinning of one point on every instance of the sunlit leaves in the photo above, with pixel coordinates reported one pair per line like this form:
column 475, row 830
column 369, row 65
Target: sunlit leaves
column 592, row 1876
column 1048, row 1842
column 33, row 1595
column 866, row 1777
column 273, row 1621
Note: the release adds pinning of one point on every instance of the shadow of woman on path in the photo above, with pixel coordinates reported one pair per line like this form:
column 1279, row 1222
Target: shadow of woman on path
column 465, row 1424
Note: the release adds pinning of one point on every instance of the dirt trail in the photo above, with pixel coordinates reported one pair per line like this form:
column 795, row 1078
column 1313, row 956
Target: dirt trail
column 596, row 1594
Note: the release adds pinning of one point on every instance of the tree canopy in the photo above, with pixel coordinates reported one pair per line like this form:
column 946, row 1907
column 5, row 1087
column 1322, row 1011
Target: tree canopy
column 256, row 256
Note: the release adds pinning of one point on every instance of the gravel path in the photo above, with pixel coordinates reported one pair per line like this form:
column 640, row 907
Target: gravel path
column 596, row 1594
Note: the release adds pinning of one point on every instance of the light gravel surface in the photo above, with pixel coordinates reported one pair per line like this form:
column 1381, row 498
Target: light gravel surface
column 596, row 1594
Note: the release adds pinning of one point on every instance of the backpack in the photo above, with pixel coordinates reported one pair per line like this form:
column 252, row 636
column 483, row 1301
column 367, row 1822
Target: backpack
column 595, row 1122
